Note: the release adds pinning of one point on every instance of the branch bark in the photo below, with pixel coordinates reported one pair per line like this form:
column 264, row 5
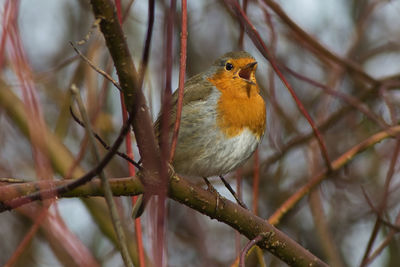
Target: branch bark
column 129, row 81
column 204, row 201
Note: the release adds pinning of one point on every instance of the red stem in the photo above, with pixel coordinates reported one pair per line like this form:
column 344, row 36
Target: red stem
column 28, row 237
column 182, row 70
column 246, row 249
column 160, row 210
column 131, row 168
column 241, row 35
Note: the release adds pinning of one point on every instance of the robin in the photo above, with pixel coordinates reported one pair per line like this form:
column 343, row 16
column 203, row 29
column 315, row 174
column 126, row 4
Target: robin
column 223, row 118
column 222, row 121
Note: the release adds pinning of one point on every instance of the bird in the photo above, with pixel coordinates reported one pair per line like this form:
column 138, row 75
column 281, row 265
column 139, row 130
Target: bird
column 222, row 122
column 223, row 118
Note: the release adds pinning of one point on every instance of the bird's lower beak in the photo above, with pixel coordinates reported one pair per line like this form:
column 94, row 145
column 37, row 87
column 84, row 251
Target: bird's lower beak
column 245, row 72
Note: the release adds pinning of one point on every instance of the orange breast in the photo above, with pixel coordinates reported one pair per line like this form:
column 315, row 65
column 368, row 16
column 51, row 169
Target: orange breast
column 240, row 106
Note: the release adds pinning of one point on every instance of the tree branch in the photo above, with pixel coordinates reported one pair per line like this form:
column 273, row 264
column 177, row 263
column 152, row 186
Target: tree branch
column 129, row 81
column 199, row 199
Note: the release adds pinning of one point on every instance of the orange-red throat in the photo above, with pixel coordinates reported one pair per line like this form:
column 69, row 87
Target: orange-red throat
column 240, row 105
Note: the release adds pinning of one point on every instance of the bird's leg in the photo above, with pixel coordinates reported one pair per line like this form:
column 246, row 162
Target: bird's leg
column 213, row 190
column 138, row 207
column 228, row 186
column 209, row 185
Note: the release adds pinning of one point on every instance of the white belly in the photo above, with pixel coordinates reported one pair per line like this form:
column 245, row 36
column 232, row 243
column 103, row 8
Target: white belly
column 217, row 156
column 205, row 153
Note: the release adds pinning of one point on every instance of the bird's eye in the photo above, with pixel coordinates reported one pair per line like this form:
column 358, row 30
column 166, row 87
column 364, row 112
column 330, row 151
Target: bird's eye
column 228, row 66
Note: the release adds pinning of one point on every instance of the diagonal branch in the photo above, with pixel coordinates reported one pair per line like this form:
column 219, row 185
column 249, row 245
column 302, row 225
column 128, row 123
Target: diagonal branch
column 201, row 200
column 336, row 165
column 353, row 67
column 129, row 81
column 259, row 43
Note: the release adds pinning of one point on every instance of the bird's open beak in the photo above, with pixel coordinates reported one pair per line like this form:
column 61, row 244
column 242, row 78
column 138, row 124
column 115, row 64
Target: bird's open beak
column 245, row 72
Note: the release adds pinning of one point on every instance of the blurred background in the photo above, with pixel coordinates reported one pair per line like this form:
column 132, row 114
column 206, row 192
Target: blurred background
column 347, row 76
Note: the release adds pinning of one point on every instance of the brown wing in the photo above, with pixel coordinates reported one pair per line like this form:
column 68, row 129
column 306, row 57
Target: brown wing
column 197, row 88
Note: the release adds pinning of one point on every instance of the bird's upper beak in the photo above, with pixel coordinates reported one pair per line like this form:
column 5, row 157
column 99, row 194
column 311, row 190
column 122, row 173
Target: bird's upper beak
column 245, row 72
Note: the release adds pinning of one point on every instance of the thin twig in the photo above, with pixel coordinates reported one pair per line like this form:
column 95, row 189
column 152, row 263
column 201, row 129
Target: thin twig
column 394, row 227
column 104, row 182
column 316, row 45
column 241, row 34
column 127, row 10
column 11, row 180
column 104, row 144
column 249, row 245
column 350, row 100
column 182, row 70
column 228, row 186
column 101, row 72
column 383, row 203
column 385, row 242
column 146, row 50
column 336, row 165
